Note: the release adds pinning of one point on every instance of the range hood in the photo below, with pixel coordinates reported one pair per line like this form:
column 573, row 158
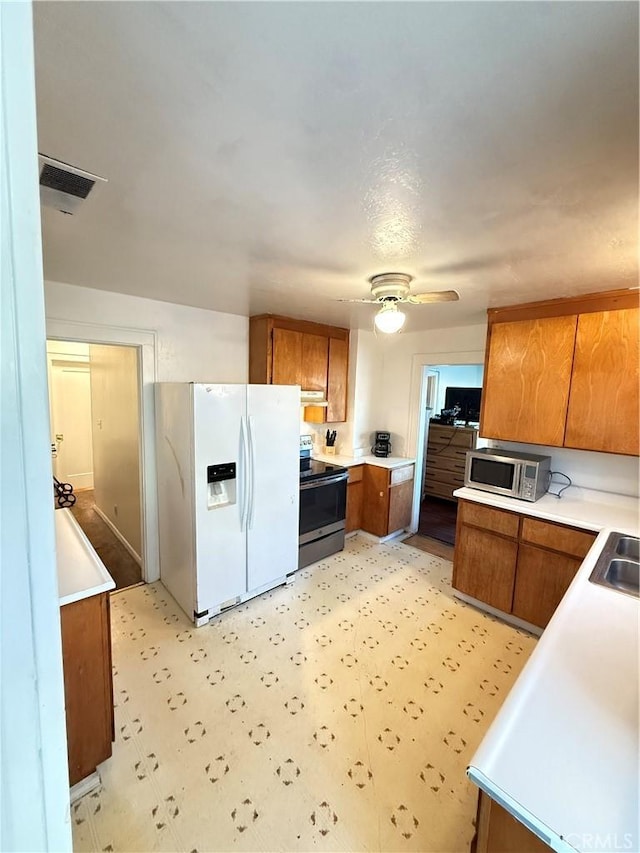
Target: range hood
column 313, row 398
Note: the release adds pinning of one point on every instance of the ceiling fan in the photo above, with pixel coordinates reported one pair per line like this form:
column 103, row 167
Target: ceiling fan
column 390, row 288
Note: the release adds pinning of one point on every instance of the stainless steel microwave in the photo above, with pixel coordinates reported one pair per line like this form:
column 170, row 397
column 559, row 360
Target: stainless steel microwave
column 517, row 475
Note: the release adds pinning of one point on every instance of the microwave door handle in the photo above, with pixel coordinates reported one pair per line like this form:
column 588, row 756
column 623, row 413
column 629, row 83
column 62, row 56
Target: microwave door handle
column 519, row 472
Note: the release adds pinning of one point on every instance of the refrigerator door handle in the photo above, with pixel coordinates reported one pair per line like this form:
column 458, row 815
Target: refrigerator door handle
column 252, row 472
column 245, row 476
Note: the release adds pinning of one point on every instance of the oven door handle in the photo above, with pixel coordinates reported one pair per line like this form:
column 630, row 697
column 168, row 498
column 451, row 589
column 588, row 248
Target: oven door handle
column 337, row 478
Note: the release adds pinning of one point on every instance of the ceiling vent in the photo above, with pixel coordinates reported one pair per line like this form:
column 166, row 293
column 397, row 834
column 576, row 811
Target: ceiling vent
column 62, row 186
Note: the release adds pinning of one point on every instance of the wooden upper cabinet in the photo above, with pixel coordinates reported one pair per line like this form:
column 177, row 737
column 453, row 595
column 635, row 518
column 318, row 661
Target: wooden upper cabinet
column 283, row 351
column 315, row 362
column 603, row 405
column 337, row 380
column 287, row 357
column 527, row 380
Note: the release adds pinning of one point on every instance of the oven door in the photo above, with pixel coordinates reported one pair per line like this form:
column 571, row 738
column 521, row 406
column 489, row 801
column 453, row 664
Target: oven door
column 500, row 475
column 323, row 506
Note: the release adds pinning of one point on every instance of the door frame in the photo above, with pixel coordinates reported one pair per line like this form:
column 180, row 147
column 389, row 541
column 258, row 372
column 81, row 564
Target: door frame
column 145, row 342
column 417, row 412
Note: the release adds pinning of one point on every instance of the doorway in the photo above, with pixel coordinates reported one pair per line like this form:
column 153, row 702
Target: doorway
column 94, row 398
column 446, row 441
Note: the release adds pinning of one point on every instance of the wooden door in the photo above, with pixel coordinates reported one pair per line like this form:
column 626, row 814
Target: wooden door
column 287, row 357
column 315, row 361
column 375, row 505
column 527, row 379
column 603, row 405
column 70, row 392
column 542, row 578
column 484, row 566
column 337, row 380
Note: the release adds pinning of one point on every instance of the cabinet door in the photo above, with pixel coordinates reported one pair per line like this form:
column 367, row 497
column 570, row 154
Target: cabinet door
column 287, row 357
column 400, row 504
column 542, row 578
column 484, row 566
column 558, row 537
column 315, row 361
column 337, row 380
column 527, row 379
column 88, row 689
column 375, row 505
column 355, row 492
column 603, row 406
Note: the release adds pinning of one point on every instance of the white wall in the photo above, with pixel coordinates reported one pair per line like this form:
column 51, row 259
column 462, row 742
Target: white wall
column 115, row 414
column 192, row 344
column 177, row 343
column 398, row 388
column 457, row 376
column 365, row 369
column 34, row 778
column 606, row 472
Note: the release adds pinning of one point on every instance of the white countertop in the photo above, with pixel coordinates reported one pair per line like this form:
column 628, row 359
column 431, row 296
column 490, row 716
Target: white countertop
column 562, row 753
column 81, row 573
column 586, row 508
column 349, row 461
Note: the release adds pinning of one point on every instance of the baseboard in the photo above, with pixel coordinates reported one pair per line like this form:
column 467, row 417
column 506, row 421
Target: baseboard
column 118, row 535
column 397, row 535
column 84, row 786
column 506, row 617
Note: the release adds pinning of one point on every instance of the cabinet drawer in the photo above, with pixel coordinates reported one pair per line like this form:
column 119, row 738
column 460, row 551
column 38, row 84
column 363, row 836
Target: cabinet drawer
column 506, row 523
column 447, row 463
column 440, row 490
column 355, row 473
column 401, row 475
column 568, row 540
column 451, row 436
column 446, row 478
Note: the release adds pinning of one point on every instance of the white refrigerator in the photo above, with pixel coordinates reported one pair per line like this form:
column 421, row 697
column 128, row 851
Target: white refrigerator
column 228, row 491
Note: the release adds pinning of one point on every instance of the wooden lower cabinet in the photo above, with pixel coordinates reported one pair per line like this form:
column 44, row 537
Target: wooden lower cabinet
column 387, row 499
column 515, row 563
column 542, row 579
column 484, row 566
column 355, row 492
column 88, row 684
column 497, row 831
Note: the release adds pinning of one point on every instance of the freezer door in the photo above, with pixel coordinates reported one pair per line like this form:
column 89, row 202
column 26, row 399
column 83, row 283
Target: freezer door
column 221, row 556
column 273, row 416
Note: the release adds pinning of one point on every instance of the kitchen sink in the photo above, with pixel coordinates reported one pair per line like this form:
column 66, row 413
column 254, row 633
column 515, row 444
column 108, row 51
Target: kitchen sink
column 628, row 547
column 618, row 565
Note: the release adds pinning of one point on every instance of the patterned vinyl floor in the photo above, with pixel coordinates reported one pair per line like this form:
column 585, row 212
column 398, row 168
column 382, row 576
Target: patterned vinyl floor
column 337, row 713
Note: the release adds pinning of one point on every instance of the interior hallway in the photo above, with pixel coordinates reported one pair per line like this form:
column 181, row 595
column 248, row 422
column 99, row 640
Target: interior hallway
column 119, row 563
column 336, row 713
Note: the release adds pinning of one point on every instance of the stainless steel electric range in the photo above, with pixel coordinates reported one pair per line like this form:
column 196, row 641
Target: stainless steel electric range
column 323, row 506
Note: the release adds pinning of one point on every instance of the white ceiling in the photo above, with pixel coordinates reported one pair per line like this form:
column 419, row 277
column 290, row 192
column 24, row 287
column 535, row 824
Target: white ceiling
column 272, row 156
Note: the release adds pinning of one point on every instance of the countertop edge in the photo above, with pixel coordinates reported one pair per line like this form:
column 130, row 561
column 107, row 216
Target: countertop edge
column 77, row 535
column 389, row 462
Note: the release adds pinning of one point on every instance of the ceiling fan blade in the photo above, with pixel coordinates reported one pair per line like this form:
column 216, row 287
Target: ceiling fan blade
column 372, row 301
column 433, row 296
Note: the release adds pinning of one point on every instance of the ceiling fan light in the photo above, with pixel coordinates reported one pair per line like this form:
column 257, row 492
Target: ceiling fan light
column 389, row 319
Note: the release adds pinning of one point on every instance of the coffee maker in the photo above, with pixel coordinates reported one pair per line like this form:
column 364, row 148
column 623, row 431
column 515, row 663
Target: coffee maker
column 382, row 444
